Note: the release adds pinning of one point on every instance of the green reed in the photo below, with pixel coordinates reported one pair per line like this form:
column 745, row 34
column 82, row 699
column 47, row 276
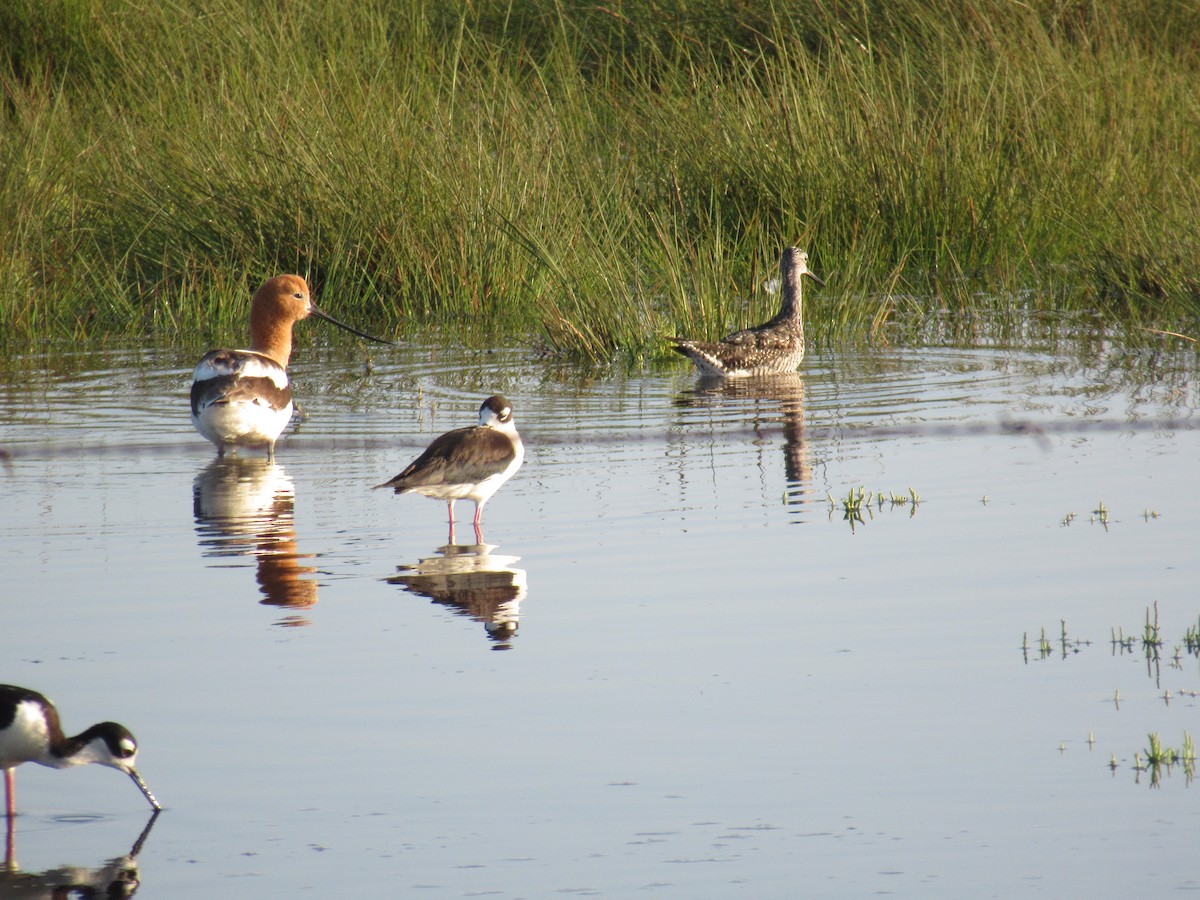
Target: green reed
column 595, row 177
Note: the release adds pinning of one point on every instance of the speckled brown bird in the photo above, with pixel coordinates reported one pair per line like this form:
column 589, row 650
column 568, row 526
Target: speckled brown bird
column 773, row 348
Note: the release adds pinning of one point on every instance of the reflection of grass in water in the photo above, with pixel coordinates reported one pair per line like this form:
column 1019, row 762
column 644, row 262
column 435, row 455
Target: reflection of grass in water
column 1101, row 515
column 1191, row 639
column 859, row 500
column 1151, row 640
column 1045, row 647
column 1159, row 759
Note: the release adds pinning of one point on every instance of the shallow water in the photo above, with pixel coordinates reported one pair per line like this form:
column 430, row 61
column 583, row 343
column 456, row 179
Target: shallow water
column 676, row 668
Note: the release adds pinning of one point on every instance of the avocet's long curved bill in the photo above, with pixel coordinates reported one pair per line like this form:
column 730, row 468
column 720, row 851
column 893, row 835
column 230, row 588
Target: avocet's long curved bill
column 137, row 779
column 313, row 311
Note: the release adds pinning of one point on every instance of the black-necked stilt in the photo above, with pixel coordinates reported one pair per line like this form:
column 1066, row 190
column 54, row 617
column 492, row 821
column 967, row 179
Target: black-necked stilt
column 30, row 732
column 467, row 463
column 772, row 348
column 242, row 398
column 488, row 587
column 116, row 877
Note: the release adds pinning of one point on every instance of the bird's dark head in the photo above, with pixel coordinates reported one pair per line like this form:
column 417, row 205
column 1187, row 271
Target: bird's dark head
column 496, row 411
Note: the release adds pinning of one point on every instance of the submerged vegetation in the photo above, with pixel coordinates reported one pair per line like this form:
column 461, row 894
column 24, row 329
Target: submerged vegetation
column 595, row 176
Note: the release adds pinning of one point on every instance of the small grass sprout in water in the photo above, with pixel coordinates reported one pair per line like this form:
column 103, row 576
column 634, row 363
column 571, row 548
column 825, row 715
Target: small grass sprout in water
column 1120, row 642
column 859, row 500
column 1159, row 758
column 1067, row 645
column 853, row 503
column 1191, row 639
column 852, row 506
column 902, row 499
column 1177, row 657
column 1151, row 639
column 1159, row 755
column 1045, row 648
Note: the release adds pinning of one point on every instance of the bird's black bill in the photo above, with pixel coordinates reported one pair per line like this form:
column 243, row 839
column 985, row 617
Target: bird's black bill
column 137, row 779
column 815, row 278
column 362, row 334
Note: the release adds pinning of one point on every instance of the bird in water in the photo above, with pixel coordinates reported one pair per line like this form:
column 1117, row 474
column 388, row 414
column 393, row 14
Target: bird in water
column 242, row 398
column 30, row 732
column 773, row 348
column 467, row 463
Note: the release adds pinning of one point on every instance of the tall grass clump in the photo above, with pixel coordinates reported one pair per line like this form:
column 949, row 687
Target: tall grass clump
column 594, row 175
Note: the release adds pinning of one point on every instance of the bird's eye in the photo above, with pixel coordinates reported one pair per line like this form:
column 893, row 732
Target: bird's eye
column 299, row 295
column 127, row 749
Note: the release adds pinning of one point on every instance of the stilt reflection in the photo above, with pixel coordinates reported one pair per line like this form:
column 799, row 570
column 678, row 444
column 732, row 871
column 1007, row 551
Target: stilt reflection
column 473, row 581
column 245, row 506
column 769, row 401
column 118, row 877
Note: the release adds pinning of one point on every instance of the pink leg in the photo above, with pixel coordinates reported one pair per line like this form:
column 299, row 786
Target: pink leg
column 450, row 510
column 10, row 862
column 478, row 525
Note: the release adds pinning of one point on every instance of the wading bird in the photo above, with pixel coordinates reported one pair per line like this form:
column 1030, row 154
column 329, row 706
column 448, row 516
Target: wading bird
column 467, row 463
column 30, row 732
column 242, row 398
column 773, row 348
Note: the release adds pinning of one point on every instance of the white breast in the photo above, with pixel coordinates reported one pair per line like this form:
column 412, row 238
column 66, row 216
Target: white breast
column 26, row 739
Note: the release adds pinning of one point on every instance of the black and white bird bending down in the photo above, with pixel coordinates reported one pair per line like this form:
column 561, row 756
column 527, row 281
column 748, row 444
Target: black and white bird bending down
column 30, row 732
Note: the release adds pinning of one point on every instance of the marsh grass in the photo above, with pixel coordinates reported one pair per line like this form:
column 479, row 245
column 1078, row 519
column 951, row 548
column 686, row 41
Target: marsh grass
column 595, row 177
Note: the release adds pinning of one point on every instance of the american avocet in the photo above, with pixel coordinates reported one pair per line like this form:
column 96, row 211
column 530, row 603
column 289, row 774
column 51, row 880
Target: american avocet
column 467, row 463
column 30, row 732
column 242, row 398
column 772, row 348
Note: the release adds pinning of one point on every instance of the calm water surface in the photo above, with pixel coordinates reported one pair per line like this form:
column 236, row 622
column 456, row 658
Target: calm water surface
column 675, row 669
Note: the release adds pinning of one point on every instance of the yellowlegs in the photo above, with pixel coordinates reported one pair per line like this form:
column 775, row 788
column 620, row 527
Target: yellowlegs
column 772, row 348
